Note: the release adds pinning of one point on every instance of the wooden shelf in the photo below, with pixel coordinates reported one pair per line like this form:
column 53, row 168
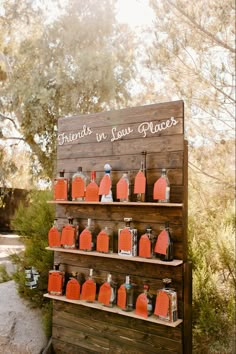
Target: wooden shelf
column 69, row 202
column 115, row 309
column 174, row 263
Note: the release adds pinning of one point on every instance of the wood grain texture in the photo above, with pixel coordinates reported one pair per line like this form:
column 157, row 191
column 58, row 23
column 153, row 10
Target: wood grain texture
column 112, row 333
column 128, row 115
column 118, row 138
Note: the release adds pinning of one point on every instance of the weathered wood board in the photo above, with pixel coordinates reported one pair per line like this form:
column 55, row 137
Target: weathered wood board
column 118, row 138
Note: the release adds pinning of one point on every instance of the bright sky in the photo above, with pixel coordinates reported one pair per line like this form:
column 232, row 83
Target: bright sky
column 134, row 12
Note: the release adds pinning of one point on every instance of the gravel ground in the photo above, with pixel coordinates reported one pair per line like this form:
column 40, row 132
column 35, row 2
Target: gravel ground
column 21, row 329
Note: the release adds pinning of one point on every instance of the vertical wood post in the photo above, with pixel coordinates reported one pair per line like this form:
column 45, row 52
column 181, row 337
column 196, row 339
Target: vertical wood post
column 187, row 293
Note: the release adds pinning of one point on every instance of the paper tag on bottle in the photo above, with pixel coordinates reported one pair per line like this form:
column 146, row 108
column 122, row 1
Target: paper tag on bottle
column 68, row 235
column 73, row 289
column 141, row 306
column 78, row 188
column 88, row 292
column 91, row 194
column 55, row 282
column 104, row 294
column 125, row 240
column 162, row 243
column 140, row 183
column 159, row 191
column 105, row 185
column 85, row 240
column 103, row 242
column 162, row 304
column 60, row 189
column 121, row 297
column 144, row 246
column 122, row 189
column 54, row 237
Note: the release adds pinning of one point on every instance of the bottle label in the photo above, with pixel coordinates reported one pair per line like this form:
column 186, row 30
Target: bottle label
column 140, row 183
column 92, row 193
column 103, row 242
column 160, row 189
column 141, row 306
column 68, row 237
column 125, row 242
column 121, row 297
column 105, row 294
column 78, row 188
column 105, row 185
column 162, row 304
column 162, row 243
column 85, row 240
column 55, row 282
column 54, row 237
column 73, row 290
column 144, row 246
column 122, row 189
column 60, row 189
column 88, row 291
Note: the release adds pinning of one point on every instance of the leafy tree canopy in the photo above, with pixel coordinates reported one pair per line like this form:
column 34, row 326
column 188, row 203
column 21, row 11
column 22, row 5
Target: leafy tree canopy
column 79, row 62
column 193, row 55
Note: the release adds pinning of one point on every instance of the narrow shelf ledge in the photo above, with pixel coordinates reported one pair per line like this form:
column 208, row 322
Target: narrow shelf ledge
column 174, row 263
column 69, row 202
column 115, row 309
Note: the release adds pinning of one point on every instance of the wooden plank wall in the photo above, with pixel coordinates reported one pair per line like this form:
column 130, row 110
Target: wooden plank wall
column 78, row 329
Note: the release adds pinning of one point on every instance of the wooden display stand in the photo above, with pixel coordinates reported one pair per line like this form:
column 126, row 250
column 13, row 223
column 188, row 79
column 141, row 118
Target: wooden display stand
column 118, row 138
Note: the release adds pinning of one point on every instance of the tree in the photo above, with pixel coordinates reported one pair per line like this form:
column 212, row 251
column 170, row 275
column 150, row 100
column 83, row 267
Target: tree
column 80, row 62
column 193, row 52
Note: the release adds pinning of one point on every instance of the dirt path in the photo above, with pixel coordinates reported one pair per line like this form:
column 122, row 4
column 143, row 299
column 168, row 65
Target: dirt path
column 21, row 330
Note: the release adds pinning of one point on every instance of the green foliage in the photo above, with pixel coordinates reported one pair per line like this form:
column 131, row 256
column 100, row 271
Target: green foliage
column 4, row 276
column 80, row 62
column 212, row 251
column 33, row 224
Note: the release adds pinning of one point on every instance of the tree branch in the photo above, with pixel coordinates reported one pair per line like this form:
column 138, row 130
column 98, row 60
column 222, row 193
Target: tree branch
column 12, row 138
column 207, row 174
column 202, row 29
column 3, row 116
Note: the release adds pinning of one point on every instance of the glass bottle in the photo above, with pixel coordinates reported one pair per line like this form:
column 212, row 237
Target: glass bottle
column 152, row 239
column 30, row 281
column 86, row 238
column 171, row 314
column 127, row 240
column 141, row 197
column 149, row 299
column 147, row 244
column 169, row 256
column 92, row 189
column 89, row 288
column 72, row 288
column 166, row 192
column 78, row 187
column 113, row 286
column 69, row 235
column 125, row 198
column 129, row 294
column 107, row 197
column 54, row 237
column 61, row 186
column 56, row 280
column 104, row 242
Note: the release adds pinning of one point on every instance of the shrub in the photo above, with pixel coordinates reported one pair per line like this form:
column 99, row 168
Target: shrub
column 4, row 276
column 33, row 223
column 212, row 250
